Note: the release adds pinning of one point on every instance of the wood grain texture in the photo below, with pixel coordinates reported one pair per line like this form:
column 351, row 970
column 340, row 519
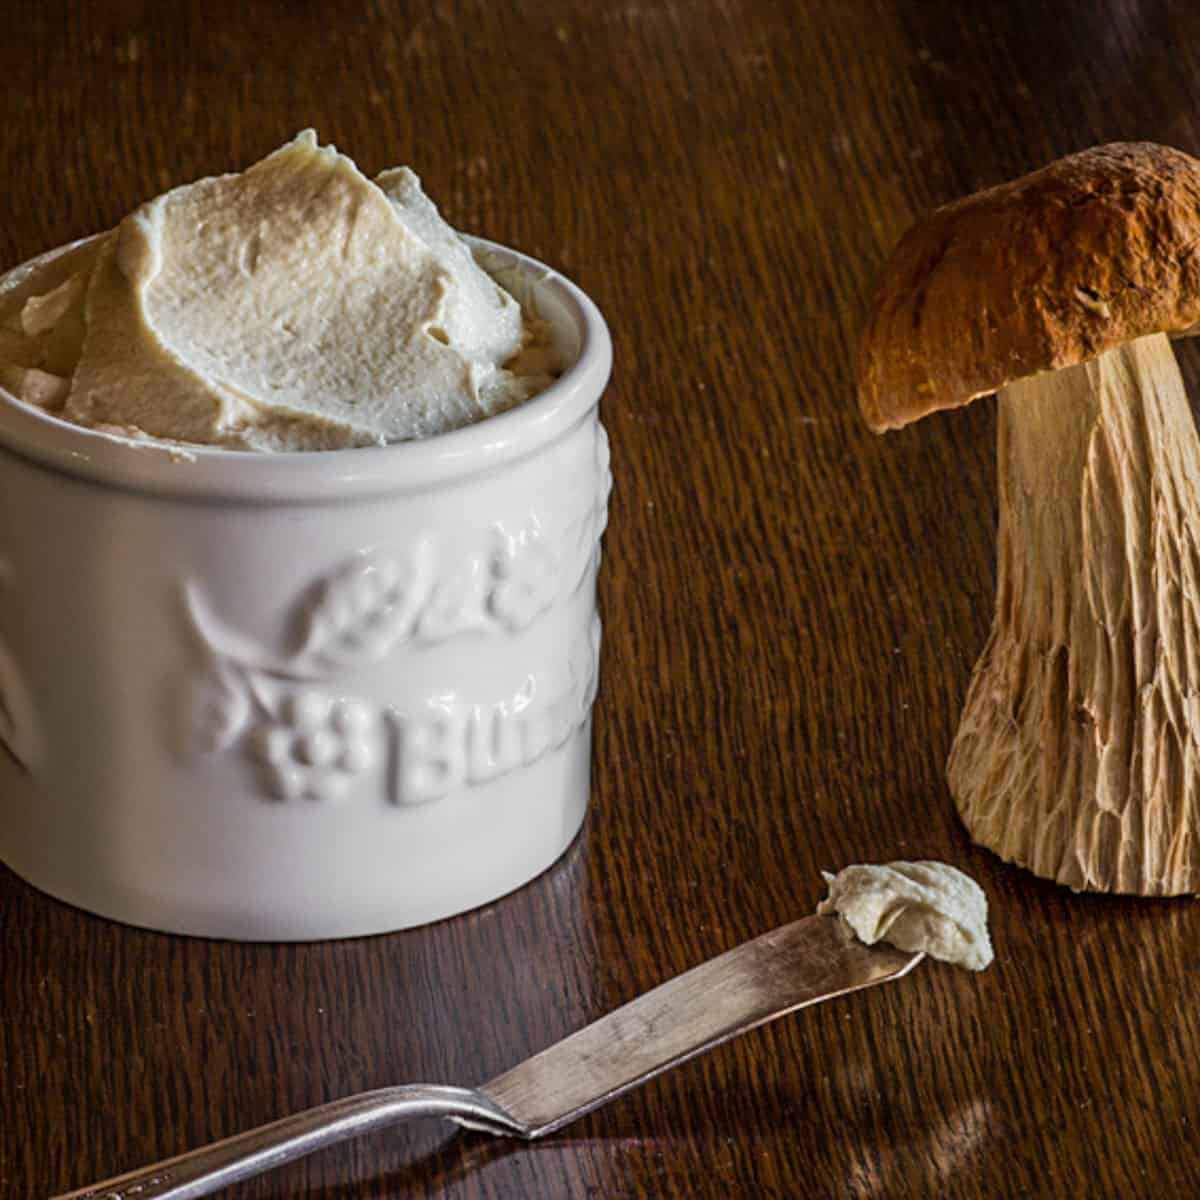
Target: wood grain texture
column 792, row 605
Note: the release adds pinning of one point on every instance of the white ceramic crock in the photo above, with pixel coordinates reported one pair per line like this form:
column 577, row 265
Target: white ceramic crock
column 282, row 697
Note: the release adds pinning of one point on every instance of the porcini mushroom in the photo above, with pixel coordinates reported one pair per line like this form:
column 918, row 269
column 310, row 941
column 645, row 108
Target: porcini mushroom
column 1078, row 751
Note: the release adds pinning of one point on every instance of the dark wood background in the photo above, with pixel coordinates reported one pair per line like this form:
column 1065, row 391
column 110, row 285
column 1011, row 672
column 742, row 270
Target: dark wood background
column 792, row 606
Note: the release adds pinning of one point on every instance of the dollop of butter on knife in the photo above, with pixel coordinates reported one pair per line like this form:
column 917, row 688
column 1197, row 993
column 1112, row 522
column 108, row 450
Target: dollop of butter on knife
column 929, row 906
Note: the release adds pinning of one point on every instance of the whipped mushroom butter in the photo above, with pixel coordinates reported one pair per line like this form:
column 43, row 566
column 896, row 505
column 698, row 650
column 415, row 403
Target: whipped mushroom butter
column 298, row 305
column 916, row 906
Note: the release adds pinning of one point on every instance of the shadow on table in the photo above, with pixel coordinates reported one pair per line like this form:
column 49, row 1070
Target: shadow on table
column 466, row 1153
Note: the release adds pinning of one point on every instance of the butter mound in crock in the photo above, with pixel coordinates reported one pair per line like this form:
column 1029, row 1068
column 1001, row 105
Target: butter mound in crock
column 295, row 306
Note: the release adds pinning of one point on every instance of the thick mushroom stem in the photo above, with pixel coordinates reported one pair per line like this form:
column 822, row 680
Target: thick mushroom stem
column 1078, row 751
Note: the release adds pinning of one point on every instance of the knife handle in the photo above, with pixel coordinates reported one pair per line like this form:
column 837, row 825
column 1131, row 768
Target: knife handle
column 210, row 1168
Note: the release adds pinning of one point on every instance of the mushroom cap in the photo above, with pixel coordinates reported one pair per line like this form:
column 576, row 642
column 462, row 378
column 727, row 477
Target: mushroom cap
column 1044, row 272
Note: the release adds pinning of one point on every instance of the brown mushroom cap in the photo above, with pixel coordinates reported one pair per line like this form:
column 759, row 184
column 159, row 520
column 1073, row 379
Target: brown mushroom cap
column 1044, row 272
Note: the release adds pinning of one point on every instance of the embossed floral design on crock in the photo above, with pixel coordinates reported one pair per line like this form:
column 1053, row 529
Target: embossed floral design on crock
column 525, row 577
column 291, row 716
column 308, row 742
column 318, row 745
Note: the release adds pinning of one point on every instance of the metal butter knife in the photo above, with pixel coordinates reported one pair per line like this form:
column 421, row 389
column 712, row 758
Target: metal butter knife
column 811, row 960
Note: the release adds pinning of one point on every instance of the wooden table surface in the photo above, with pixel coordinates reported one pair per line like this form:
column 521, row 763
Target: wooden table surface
column 792, row 606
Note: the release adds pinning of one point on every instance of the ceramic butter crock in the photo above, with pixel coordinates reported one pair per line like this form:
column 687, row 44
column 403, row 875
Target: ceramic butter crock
column 303, row 695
